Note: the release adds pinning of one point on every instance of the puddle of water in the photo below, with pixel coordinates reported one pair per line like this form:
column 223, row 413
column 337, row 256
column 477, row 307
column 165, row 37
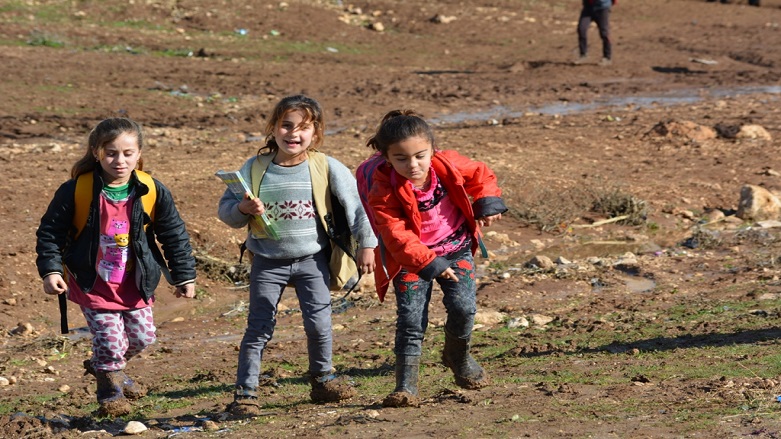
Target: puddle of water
column 82, row 333
column 600, row 249
column 639, row 284
column 687, row 96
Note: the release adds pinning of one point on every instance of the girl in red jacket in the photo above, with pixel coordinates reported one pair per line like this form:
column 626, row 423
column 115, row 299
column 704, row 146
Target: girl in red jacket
column 428, row 205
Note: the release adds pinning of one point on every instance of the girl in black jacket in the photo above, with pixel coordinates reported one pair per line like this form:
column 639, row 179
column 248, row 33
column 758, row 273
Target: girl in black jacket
column 96, row 243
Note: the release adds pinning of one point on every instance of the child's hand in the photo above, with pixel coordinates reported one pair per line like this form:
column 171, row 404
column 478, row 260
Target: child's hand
column 488, row 220
column 250, row 205
column 365, row 260
column 449, row 274
column 186, row 290
column 54, row 284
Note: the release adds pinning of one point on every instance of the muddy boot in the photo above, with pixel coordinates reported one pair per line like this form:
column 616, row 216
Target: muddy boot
column 245, row 403
column 455, row 355
column 110, row 397
column 130, row 388
column 406, row 392
column 330, row 388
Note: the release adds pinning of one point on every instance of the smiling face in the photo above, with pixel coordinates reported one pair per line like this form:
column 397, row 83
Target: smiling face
column 293, row 135
column 119, row 158
column 411, row 158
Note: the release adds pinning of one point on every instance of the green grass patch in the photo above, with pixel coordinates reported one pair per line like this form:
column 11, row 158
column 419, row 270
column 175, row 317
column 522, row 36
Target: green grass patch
column 45, row 39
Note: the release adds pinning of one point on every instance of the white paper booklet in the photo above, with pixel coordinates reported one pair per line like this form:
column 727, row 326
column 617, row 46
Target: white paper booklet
column 261, row 226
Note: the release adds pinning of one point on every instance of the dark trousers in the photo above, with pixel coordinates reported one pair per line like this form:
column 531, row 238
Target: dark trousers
column 413, row 296
column 602, row 18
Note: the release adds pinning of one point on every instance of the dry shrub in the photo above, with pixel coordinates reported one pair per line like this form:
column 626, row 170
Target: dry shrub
column 553, row 210
column 614, row 202
column 550, row 210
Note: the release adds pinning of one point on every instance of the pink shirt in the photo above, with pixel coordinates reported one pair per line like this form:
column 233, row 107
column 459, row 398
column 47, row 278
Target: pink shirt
column 440, row 218
column 115, row 287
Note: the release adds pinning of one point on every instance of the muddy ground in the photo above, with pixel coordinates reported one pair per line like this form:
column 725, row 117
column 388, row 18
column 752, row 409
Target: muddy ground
column 677, row 339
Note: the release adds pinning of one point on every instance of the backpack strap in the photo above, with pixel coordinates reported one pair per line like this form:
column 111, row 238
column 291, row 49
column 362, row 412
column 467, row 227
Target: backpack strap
column 82, row 198
column 148, row 200
column 257, row 172
column 321, row 190
column 259, row 167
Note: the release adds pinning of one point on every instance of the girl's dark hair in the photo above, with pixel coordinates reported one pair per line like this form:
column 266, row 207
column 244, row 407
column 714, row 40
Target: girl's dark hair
column 104, row 133
column 312, row 114
column 397, row 126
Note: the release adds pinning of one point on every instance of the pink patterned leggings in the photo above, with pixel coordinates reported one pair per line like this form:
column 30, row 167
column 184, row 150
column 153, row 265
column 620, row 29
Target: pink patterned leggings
column 118, row 336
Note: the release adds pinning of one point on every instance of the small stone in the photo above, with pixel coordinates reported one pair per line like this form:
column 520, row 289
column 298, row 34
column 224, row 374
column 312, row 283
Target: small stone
column 541, row 262
column 64, row 388
column 210, row 426
column 372, row 413
column 22, row 329
column 540, row 319
column 517, row 322
column 4, row 381
column 489, row 317
column 135, row 427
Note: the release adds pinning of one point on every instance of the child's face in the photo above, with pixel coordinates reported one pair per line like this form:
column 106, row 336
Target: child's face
column 412, row 159
column 293, row 136
column 119, row 158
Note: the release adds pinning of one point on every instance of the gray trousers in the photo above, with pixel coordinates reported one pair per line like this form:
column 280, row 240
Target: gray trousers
column 268, row 278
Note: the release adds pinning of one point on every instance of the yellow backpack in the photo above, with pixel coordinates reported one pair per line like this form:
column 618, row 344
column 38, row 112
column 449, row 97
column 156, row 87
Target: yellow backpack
column 83, row 199
column 342, row 266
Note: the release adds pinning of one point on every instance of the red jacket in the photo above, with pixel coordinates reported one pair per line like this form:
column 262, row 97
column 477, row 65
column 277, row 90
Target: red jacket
column 398, row 220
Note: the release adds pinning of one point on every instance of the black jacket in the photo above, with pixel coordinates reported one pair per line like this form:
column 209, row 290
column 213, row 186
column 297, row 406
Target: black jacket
column 56, row 246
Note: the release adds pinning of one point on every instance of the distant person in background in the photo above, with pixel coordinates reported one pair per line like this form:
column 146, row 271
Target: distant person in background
column 598, row 11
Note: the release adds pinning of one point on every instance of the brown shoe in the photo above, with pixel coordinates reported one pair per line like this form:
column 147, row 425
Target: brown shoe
column 330, row 388
column 245, row 407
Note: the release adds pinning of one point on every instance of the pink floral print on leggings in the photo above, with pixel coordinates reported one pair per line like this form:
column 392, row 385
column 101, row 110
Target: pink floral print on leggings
column 118, row 336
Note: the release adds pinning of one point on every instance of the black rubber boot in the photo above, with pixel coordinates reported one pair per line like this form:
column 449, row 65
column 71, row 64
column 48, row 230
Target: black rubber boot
column 130, row 388
column 406, row 392
column 455, row 355
column 110, row 396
